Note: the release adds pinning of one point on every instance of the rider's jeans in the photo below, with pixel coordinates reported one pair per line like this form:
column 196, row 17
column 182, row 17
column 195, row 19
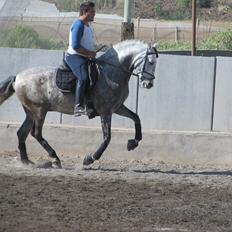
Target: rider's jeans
column 78, row 66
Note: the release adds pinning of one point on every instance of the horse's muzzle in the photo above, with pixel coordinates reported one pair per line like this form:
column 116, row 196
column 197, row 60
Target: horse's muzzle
column 146, row 84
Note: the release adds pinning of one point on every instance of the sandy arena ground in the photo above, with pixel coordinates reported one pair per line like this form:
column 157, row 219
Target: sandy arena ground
column 113, row 196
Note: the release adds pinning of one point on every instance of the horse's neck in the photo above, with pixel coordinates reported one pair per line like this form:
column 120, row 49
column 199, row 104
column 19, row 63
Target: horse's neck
column 120, row 59
column 127, row 57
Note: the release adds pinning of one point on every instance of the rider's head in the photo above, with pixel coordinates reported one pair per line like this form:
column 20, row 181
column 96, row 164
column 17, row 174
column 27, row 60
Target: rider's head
column 87, row 9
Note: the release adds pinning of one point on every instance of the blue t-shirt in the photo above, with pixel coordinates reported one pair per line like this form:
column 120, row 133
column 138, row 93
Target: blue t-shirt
column 80, row 35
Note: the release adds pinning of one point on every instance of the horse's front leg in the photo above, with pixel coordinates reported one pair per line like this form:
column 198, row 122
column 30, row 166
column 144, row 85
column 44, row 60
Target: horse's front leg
column 132, row 143
column 106, row 129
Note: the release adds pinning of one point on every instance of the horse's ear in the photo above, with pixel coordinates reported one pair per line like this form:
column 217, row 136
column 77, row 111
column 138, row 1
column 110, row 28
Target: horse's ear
column 154, row 45
column 155, row 50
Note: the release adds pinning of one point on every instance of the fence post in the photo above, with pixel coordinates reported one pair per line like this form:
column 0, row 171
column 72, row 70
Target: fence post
column 154, row 37
column 127, row 28
column 138, row 28
column 176, row 34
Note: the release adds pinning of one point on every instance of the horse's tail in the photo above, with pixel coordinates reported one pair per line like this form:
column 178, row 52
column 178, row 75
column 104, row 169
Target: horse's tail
column 6, row 88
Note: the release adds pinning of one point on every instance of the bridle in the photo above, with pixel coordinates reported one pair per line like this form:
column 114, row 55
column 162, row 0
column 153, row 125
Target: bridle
column 140, row 74
column 133, row 66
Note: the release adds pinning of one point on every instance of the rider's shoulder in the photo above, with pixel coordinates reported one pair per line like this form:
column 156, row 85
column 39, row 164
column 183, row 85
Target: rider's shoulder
column 78, row 22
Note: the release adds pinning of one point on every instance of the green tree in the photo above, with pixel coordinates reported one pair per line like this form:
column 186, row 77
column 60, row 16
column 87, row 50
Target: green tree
column 184, row 3
column 200, row 3
column 221, row 41
column 22, row 37
column 218, row 41
column 74, row 5
column 26, row 37
column 205, row 3
column 173, row 46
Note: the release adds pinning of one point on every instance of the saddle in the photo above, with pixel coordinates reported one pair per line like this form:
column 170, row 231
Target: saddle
column 66, row 81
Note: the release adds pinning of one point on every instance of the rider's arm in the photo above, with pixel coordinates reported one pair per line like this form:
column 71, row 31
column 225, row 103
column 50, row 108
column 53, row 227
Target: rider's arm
column 85, row 52
column 77, row 33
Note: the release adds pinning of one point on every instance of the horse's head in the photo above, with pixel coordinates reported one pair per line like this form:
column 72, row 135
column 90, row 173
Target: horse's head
column 144, row 67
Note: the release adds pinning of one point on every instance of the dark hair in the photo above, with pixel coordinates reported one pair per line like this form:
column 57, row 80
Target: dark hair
column 84, row 7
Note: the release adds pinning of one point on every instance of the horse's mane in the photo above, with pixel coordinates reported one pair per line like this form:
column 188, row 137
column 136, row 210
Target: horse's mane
column 125, row 47
column 128, row 44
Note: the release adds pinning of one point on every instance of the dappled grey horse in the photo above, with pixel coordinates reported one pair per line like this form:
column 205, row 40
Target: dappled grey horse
column 38, row 94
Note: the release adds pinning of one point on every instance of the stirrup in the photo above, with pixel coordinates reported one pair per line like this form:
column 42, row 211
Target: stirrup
column 89, row 111
column 79, row 110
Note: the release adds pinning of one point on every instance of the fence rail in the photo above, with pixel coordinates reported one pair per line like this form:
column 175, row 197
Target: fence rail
column 108, row 31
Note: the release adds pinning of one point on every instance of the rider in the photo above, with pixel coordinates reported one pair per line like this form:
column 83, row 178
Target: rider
column 80, row 49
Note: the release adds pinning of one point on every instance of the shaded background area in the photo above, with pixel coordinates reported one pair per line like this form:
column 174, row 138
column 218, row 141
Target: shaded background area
column 51, row 21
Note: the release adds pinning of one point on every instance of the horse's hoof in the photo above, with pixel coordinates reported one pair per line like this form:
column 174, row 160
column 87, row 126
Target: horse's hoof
column 88, row 160
column 56, row 164
column 132, row 144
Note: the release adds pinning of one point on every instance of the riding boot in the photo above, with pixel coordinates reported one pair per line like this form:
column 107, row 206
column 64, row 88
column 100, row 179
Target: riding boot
column 79, row 108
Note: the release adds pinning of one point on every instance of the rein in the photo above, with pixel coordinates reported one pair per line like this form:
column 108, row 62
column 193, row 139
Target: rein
column 119, row 67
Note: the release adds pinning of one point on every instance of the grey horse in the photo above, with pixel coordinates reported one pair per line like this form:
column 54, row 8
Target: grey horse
column 36, row 90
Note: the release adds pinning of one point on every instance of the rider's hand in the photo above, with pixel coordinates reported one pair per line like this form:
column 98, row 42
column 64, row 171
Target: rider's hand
column 92, row 54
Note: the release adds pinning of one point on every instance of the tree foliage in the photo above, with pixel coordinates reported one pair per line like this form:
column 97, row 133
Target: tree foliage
column 220, row 40
column 200, row 3
column 26, row 37
column 22, row 37
column 74, row 5
column 217, row 41
column 181, row 9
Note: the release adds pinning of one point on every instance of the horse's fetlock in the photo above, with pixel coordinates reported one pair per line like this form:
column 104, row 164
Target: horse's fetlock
column 56, row 163
column 89, row 159
column 107, row 140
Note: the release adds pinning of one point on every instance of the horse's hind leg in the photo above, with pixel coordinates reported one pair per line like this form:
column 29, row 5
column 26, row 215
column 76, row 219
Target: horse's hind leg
column 37, row 133
column 132, row 143
column 22, row 134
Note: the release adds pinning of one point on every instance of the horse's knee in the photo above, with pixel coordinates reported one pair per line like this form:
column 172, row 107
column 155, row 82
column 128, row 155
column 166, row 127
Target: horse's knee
column 107, row 140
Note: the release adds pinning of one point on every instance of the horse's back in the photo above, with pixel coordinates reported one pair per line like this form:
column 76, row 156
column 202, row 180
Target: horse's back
column 34, row 83
column 36, row 72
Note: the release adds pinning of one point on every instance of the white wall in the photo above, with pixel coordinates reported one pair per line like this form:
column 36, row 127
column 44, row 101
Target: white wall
column 223, row 95
column 183, row 94
column 182, row 97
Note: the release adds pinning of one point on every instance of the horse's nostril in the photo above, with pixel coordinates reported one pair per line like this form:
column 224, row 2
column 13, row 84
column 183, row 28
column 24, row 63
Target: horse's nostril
column 149, row 85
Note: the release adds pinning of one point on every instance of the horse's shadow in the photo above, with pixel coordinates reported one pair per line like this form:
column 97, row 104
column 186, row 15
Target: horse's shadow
column 159, row 171
column 174, row 172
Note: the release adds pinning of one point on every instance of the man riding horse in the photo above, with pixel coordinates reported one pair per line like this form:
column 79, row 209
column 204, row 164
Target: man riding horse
column 80, row 49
